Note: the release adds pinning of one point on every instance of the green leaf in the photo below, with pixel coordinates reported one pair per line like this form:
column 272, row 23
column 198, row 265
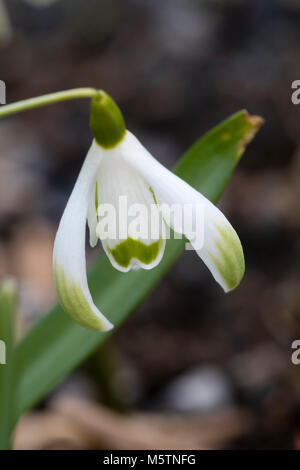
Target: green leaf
column 7, row 321
column 56, row 345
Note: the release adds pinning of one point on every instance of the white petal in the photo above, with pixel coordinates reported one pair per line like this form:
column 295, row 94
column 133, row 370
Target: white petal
column 69, row 249
column 221, row 250
column 124, row 214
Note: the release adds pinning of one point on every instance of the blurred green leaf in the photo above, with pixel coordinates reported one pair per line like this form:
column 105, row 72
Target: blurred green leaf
column 8, row 305
column 56, row 345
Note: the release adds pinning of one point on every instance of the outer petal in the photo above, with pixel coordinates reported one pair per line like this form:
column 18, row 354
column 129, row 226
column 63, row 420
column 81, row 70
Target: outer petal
column 125, row 206
column 221, row 250
column 69, row 250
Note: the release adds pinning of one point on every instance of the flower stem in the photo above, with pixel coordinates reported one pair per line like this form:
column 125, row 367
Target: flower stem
column 45, row 100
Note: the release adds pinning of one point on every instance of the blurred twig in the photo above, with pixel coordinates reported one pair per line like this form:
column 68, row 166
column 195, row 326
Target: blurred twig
column 74, row 423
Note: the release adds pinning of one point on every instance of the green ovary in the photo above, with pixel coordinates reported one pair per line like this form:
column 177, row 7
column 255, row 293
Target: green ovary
column 230, row 259
column 130, row 249
column 74, row 302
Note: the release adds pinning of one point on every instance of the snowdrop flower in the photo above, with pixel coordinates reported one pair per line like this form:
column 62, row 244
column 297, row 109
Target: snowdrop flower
column 116, row 165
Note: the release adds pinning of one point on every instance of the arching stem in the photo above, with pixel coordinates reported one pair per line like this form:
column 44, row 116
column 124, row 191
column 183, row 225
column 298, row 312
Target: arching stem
column 45, row 100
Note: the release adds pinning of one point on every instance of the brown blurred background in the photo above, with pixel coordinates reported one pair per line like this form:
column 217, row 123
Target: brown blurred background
column 191, row 364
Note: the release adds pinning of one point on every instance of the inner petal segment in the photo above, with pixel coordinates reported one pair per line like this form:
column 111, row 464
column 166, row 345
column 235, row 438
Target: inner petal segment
column 129, row 223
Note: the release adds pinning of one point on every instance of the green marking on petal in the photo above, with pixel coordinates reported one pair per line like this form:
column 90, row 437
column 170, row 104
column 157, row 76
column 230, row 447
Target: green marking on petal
column 230, row 262
column 74, row 301
column 130, row 249
column 153, row 194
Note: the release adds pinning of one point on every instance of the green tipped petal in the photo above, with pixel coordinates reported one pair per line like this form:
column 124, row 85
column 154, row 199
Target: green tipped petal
column 228, row 257
column 69, row 264
column 75, row 302
column 212, row 236
column 131, row 251
column 130, row 236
